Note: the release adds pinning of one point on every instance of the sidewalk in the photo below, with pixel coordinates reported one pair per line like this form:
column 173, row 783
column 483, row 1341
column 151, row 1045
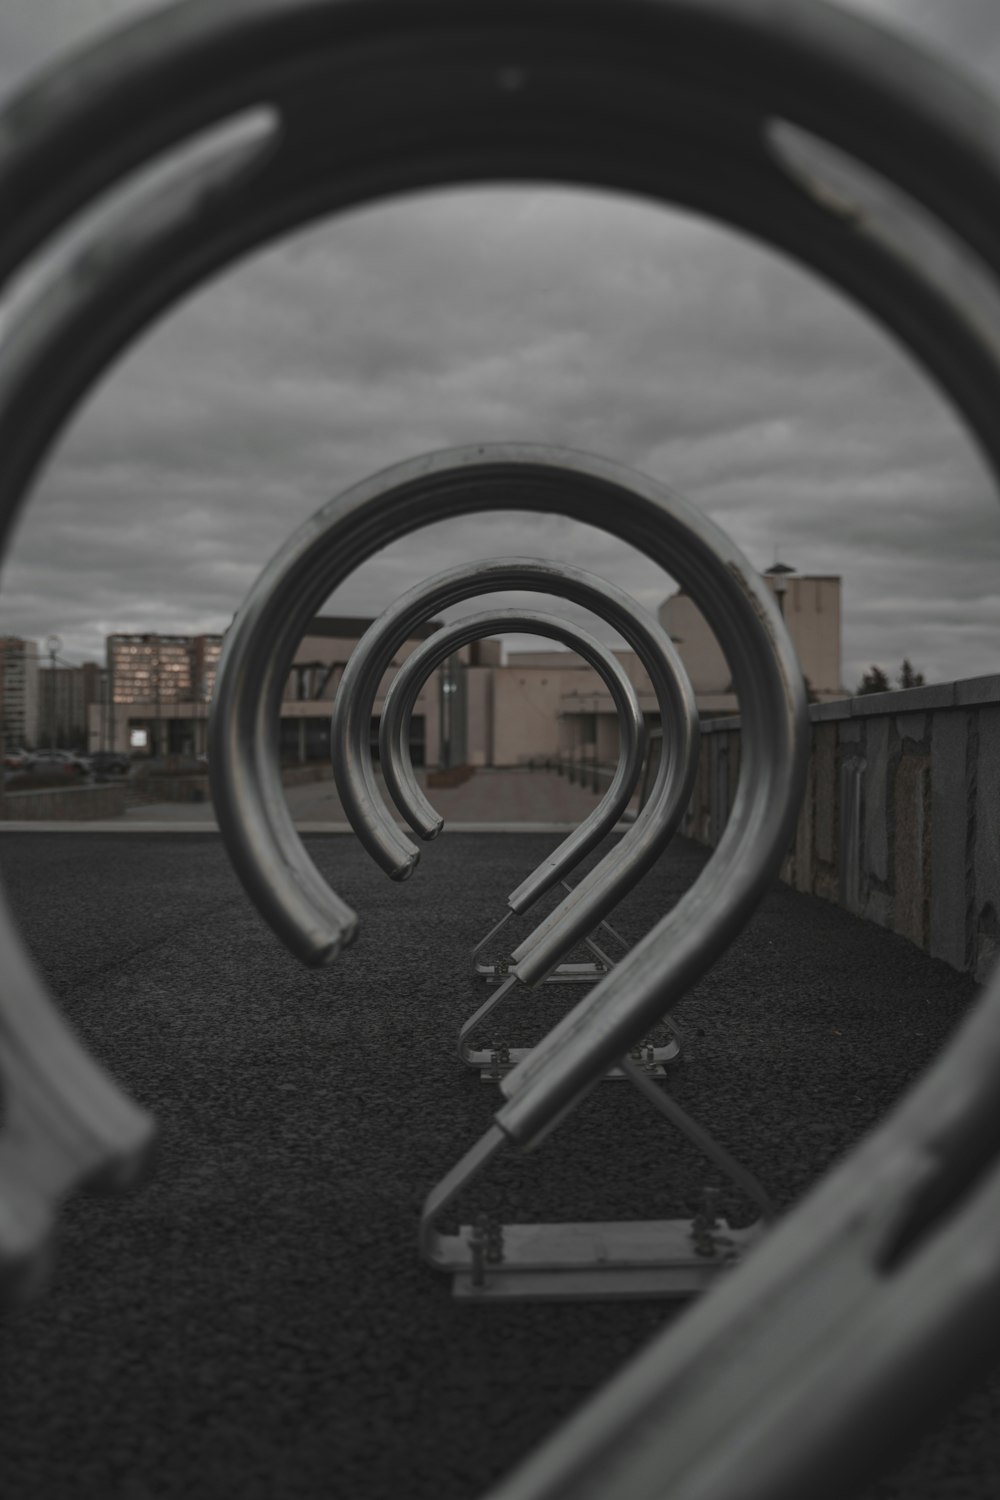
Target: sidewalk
column 490, row 797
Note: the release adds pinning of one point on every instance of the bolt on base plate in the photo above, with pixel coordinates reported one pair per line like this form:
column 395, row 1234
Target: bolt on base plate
column 492, row 1066
column 566, row 973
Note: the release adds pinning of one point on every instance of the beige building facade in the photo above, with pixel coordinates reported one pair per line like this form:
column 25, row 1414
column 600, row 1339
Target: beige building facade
column 551, row 703
column 810, row 605
column 475, row 709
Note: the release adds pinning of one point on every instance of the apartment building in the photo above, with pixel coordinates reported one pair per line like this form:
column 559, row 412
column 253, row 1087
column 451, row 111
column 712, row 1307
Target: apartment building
column 65, row 695
column 18, row 693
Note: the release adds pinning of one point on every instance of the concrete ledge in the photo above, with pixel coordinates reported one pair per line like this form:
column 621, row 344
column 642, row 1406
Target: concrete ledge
column 971, row 692
column 316, row 770
column 840, row 708
column 907, row 700
column 67, row 803
column 139, row 825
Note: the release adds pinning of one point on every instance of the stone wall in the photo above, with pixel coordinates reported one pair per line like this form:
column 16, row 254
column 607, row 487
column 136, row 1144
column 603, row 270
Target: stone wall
column 901, row 818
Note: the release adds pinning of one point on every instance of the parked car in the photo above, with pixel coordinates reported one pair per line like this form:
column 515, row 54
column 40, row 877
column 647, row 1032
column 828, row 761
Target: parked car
column 110, row 763
column 65, row 762
column 17, row 760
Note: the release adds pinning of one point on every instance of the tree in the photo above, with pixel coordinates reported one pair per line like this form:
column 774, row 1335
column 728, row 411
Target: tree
column 877, row 681
column 908, row 678
column 874, row 681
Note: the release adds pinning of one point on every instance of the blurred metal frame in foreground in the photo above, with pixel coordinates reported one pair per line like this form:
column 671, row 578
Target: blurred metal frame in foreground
column 364, row 96
column 877, row 1292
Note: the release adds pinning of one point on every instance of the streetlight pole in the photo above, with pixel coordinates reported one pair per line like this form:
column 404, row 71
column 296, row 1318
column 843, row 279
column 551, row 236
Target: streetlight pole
column 447, row 688
column 53, row 646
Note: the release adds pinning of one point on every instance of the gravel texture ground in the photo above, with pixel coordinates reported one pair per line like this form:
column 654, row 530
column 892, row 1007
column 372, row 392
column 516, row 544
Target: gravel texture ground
column 255, row 1321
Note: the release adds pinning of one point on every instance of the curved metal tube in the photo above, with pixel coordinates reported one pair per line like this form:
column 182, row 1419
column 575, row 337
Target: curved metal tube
column 876, row 1296
column 250, row 806
column 580, row 911
column 88, row 122
column 352, row 711
column 356, row 699
column 313, row 64
column 737, row 606
column 397, row 711
column 397, row 768
column 66, row 1123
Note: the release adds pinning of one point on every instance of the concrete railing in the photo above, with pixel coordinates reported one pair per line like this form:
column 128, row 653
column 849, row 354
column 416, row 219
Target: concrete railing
column 95, row 801
column 65, row 803
column 901, row 818
column 305, row 775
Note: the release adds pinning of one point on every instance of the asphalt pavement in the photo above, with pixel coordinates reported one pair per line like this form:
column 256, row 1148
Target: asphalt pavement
column 255, row 1320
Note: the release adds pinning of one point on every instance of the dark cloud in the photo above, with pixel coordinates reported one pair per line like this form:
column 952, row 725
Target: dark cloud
column 553, row 316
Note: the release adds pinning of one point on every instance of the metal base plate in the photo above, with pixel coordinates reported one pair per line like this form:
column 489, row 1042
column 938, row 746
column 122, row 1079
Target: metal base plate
column 584, row 973
column 589, row 1262
column 671, row 1283
column 491, row 1072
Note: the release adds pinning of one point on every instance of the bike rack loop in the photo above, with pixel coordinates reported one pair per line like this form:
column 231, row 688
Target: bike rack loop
column 269, row 855
column 397, row 769
column 397, row 712
column 599, row 1034
column 400, row 779
column 350, row 741
column 91, row 119
column 397, row 766
column 261, row 644
column 600, row 890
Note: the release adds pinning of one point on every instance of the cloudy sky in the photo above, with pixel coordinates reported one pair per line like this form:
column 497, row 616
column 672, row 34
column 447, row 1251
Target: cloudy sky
column 536, row 315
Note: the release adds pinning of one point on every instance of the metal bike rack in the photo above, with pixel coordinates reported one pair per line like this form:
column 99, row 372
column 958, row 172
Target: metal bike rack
column 400, row 779
column 700, row 105
column 588, row 903
column 354, row 772
column 66, row 1124
column 662, row 1258
column 874, row 1296
column 602, row 1031
column 490, row 1260
column 274, row 864
column 397, row 767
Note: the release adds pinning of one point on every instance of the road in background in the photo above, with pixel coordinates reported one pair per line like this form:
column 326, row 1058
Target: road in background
column 487, row 797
